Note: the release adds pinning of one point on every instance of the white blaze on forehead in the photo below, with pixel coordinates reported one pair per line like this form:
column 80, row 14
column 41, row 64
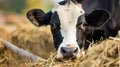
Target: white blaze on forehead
column 68, row 15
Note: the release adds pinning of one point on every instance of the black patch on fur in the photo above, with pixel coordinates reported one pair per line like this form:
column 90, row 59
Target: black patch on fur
column 55, row 28
column 98, row 17
column 110, row 25
column 77, row 1
column 39, row 16
column 62, row 2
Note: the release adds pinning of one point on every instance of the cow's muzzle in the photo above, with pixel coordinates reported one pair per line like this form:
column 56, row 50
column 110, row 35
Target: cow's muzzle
column 69, row 52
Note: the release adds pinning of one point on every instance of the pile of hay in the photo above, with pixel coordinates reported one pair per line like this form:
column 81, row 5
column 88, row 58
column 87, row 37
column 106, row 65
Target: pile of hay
column 104, row 54
column 26, row 36
column 6, row 58
column 35, row 40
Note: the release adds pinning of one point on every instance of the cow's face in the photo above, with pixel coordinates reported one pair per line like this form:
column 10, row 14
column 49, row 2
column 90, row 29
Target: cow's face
column 65, row 20
column 63, row 26
column 90, row 27
column 62, row 19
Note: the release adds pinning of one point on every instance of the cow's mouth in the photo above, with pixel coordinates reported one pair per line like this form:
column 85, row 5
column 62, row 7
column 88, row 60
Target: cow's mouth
column 71, row 57
column 65, row 58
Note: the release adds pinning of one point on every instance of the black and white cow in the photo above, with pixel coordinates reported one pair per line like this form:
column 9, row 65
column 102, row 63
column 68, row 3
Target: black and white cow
column 73, row 22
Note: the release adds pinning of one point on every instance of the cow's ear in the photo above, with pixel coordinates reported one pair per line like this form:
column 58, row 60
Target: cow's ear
column 98, row 17
column 38, row 17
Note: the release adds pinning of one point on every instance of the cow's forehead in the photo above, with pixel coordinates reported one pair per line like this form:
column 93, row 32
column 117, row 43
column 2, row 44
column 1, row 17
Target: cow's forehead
column 68, row 13
column 67, row 6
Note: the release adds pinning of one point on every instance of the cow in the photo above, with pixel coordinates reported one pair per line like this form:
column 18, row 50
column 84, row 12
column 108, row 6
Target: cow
column 75, row 22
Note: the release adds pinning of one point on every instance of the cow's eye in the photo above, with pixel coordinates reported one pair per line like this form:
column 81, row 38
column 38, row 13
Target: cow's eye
column 53, row 26
column 82, row 27
column 81, row 11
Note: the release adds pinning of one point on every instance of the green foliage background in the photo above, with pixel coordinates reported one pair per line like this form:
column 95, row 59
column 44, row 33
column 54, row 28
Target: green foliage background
column 19, row 6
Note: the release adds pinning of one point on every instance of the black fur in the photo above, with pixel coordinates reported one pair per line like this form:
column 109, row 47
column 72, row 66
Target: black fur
column 77, row 1
column 98, row 17
column 55, row 28
column 62, row 2
column 39, row 16
column 101, row 24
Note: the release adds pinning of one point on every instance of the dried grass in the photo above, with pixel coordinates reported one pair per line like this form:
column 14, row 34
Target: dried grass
column 35, row 40
column 39, row 41
column 104, row 54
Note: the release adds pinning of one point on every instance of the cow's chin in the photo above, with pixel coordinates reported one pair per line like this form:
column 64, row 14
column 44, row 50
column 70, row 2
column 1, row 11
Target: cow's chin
column 80, row 54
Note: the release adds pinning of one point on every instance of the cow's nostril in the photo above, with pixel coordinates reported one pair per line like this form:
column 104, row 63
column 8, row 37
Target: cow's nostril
column 76, row 50
column 69, row 52
column 63, row 50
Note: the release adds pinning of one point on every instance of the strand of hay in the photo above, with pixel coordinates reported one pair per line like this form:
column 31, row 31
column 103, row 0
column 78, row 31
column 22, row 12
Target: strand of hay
column 21, row 52
column 113, row 38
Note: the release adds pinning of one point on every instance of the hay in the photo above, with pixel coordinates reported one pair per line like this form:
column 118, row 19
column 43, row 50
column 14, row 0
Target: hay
column 5, row 55
column 104, row 54
column 25, row 36
column 35, row 40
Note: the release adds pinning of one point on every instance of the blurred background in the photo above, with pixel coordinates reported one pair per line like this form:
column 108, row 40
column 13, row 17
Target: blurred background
column 20, row 6
column 17, row 29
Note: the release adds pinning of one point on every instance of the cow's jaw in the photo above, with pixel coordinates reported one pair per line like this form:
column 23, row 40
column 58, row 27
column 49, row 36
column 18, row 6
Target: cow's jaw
column 68, row 15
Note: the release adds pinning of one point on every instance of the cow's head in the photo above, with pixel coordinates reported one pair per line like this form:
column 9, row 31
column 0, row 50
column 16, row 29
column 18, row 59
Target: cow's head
column 63, row 19
column 91, row 27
